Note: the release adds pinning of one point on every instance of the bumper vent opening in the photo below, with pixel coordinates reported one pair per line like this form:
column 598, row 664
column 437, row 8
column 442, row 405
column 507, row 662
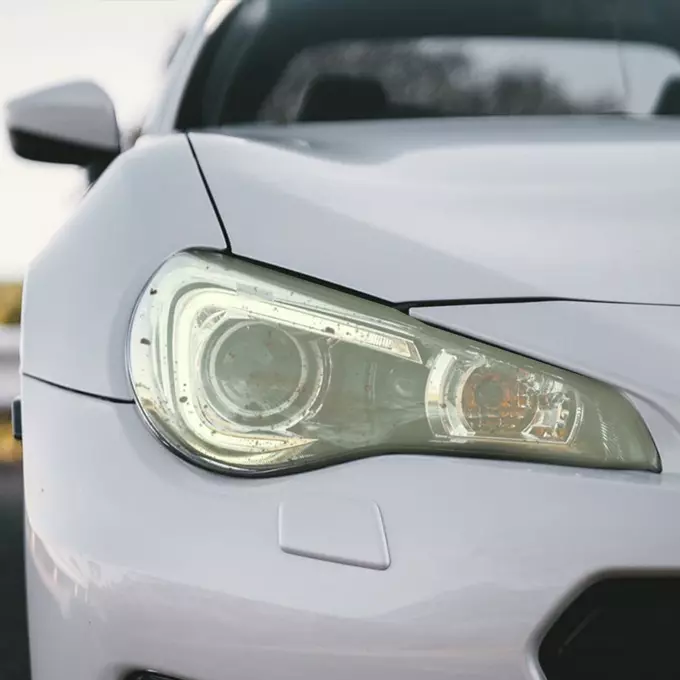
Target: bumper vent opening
column 620, row 628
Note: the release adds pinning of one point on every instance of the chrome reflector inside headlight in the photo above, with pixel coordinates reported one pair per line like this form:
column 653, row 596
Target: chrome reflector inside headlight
column 251, row 371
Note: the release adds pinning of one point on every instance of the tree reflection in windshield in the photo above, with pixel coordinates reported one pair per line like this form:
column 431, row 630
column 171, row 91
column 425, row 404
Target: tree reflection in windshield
column 433, row 77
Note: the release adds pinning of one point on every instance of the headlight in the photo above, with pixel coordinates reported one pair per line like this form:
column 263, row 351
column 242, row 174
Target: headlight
column 251, row 371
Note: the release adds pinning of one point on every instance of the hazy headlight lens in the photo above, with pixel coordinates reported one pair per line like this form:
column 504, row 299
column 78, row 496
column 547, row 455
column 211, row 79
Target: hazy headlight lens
column 255, row 372
column 258, row 374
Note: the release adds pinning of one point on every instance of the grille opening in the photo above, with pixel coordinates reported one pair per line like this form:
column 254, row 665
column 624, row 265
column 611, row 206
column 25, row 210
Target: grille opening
column 620, row 628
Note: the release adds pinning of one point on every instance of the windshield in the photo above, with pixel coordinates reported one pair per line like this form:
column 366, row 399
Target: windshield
column 476, row 77
column 286, row 61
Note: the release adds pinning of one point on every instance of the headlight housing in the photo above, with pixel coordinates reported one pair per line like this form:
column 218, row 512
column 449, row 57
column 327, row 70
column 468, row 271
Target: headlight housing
column 251, row 371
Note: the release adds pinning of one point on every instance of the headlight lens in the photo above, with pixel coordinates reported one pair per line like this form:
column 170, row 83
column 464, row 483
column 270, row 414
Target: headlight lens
column 252, row 371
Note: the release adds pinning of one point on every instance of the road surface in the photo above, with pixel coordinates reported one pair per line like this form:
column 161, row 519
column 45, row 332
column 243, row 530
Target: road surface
column 14, row 663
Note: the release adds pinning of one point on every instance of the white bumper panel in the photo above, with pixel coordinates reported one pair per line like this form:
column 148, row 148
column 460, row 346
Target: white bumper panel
column 137, row 560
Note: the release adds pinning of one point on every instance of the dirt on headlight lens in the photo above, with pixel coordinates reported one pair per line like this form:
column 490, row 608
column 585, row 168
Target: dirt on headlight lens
column 254, row 372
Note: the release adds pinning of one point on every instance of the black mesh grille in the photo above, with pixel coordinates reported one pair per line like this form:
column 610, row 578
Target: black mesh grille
column 622, row 628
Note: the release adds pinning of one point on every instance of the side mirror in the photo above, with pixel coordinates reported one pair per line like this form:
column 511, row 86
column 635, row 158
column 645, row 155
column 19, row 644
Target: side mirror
column 73, row 123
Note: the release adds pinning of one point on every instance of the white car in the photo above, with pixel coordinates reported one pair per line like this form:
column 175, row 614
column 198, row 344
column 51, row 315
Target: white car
column 364, row 361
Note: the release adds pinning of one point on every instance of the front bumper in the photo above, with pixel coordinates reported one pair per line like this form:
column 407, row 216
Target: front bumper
column 137, row 560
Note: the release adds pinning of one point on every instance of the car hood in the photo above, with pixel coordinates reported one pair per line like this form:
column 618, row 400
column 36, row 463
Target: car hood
column 584, row 209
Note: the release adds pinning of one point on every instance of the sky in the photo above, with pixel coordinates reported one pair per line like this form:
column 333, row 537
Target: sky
column 120, row 44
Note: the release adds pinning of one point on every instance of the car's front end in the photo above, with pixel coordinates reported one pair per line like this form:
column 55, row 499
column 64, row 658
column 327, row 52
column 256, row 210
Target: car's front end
column 279, row 425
